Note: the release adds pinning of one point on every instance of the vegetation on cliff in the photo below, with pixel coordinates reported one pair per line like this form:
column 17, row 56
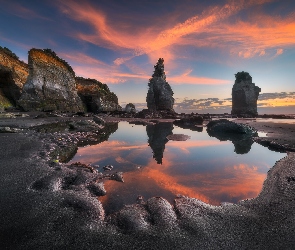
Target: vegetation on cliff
column 243, row 76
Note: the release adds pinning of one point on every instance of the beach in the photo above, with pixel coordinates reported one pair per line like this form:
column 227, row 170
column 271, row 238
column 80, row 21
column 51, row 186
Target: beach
column 38, row 213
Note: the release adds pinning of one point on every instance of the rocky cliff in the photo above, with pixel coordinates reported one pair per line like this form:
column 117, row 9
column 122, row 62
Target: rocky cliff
column 160, row 94
column 13, row 74
column 244, row 96
column 96, row 96
column 51, row 84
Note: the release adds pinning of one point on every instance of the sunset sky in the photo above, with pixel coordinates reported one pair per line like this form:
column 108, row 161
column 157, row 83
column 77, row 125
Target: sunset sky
column 203, row 43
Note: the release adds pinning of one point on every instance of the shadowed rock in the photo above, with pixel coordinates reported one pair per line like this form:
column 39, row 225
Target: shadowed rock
column 96, row 96
column 244, row 96
column 160, row 94
column 190, row 123
column 13, row 75
column 50, row 85
column 240, row 135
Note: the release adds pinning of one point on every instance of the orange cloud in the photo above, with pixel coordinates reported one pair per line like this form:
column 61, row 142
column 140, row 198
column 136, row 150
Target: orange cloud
column 147, row 40
column 186, row 78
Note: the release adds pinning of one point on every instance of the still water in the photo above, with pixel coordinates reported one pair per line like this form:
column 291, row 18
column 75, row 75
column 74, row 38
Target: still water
column 202, row 167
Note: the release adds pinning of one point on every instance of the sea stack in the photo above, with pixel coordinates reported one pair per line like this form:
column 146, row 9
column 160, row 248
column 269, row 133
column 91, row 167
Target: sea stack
column 244, row 96
column 51, row 84
column 160, row 94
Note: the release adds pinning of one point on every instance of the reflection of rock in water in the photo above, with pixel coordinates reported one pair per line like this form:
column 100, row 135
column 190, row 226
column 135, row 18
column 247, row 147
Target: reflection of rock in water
column 239, row 134
column 158, row 138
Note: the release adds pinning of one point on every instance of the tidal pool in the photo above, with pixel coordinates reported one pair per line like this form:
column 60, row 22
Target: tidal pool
column 202, row 167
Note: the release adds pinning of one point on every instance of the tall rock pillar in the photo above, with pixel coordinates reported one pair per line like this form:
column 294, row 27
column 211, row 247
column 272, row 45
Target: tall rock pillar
column 244, row 96
column 160, row 94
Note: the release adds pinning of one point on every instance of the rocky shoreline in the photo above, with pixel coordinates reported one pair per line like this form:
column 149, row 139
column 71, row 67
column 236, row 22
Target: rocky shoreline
column 46, row 203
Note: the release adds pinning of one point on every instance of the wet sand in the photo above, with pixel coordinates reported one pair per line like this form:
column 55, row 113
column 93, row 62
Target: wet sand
column 50, row 216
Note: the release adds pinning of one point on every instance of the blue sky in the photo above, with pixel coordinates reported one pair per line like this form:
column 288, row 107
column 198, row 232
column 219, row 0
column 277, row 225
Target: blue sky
column 203, row 43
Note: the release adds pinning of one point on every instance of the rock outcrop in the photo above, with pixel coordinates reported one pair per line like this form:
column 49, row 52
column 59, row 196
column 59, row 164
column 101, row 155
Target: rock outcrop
column 241, row 135
column 130, row 108
column 96, row 96
column 160, row 94
column 244, row 96
column 13, row 75
column 51, row 84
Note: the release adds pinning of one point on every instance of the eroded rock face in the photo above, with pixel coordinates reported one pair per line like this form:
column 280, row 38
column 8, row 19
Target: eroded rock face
column 13, row 75
column 160, row 94
column 50, row 85
column 244, row 96
column 96, row 96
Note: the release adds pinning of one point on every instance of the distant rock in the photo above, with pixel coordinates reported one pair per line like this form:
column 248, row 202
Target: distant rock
column 13, row 75
column 190, row 122
column 51, row 84
column 130, row 108
column 160, row 94
column 244, row 96
column 96, row 96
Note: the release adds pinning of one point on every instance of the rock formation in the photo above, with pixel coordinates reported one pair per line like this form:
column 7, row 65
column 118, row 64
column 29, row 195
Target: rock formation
column 241, row 135
column 96, row 96
column 13, row 74
column 159, row 96
column 130, row 108
column 50, row 85
column 244, row 96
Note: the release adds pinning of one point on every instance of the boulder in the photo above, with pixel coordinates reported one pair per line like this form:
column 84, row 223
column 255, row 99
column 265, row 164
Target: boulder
column 51, row 84
column 130, row 108
column 241, row 135
column 13, row 75
column 160, row 94
column 190, row 123
column 96, row 96
column 244, row 96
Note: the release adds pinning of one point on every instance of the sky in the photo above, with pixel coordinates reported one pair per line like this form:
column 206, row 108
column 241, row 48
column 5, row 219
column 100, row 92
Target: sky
column 203, row 43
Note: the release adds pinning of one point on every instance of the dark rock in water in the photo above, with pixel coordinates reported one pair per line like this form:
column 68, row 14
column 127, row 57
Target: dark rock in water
column 162, row 212
column 50, row 85
column 244, row 96
column 241, row 135
column 165, row 114
column 190, row 123
column 178, row 137
column 97, row 188
column 158, row 138
column 118, row 176
column 96, row 96
column 108, row 167
column 160, row 94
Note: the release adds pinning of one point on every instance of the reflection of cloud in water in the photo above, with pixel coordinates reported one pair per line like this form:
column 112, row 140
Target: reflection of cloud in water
column 202, row 167
column 184, row 146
